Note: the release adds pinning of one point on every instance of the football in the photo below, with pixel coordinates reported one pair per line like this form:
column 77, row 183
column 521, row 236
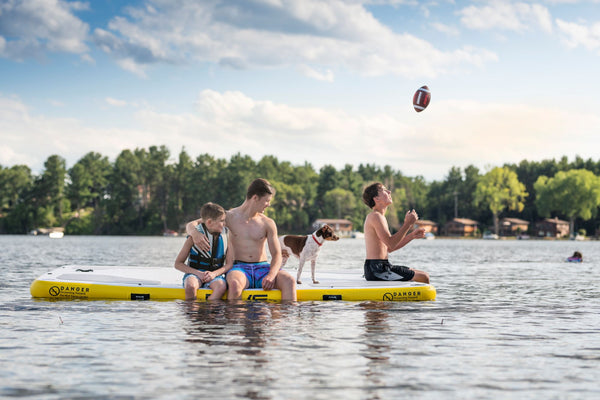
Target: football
column 421, row 98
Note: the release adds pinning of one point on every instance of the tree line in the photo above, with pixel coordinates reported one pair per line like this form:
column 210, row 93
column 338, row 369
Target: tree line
column 145, row 192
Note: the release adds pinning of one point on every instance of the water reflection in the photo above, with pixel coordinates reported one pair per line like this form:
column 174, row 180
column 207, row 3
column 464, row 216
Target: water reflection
column 242, row 328
column 376, row 339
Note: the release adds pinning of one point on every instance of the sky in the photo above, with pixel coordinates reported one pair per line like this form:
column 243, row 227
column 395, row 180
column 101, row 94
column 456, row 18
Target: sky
column 320, row 81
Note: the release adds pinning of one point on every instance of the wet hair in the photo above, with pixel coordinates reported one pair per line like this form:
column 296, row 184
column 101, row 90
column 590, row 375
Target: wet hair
column 211, row 211
column 259, row 187
column 370, row 192
column 577, row 254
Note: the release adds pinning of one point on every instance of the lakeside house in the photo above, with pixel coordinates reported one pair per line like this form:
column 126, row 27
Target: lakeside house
column 552, row 227
column 513, row 226
column 461, row 227
column 428, row 226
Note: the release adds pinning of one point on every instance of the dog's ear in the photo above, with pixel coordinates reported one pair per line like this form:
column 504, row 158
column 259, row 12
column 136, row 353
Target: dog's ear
column 323, row 230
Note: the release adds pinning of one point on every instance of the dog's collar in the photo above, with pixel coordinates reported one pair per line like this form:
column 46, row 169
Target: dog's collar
column 315, row 239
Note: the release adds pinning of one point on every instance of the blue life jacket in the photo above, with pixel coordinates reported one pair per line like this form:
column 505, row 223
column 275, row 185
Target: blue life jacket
column 215, row 258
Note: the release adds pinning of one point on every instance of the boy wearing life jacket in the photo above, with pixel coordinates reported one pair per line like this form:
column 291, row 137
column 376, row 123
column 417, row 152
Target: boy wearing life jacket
column 207, row 269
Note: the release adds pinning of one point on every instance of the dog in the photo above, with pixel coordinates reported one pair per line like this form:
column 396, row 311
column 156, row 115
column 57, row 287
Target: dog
column 306, row 248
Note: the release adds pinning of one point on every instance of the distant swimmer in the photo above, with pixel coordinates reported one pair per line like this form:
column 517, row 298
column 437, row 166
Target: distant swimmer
column 576, row 257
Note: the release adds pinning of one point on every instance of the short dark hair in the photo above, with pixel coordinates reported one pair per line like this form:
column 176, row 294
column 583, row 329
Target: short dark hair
column 211, row 211
column 370, row 192
column 259, row 187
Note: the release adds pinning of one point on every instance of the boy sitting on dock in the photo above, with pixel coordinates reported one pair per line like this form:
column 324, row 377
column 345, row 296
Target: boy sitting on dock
column 207, row 269
column 251, row 231
column 379, row 242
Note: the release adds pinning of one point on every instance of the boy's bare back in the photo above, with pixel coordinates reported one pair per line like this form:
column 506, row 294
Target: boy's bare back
column 375, row 225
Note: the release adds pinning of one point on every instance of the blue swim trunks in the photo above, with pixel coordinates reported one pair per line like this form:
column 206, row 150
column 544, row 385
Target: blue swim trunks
column 205, row 285
column 255, row 272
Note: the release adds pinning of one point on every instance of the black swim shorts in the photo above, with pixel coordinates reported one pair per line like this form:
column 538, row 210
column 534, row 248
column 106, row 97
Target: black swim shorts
column 383, row 270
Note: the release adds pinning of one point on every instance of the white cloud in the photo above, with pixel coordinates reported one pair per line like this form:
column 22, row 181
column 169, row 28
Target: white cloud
column 316, row 34
column 445, row 29
column 506, row 15
column 320, row 76
column 30, row 28
column 580, row 35
column 68, row 137
column 115, row 102
column 502, row 133
column 223, row 124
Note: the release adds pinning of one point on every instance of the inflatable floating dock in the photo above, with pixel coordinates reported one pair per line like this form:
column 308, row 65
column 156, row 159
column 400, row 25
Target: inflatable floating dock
column 150, row 283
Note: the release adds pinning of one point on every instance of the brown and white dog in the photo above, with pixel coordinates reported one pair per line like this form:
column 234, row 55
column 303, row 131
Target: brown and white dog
column 306, row 248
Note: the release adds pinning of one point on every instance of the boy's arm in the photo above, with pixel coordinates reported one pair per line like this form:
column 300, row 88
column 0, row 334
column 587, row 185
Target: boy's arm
column 268, row 282
column 182, row 257
column 200, row 240
column 416, row 234
column 397, row 240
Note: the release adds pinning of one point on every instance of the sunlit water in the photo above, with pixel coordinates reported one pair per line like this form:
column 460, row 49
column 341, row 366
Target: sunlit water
column 512, row 319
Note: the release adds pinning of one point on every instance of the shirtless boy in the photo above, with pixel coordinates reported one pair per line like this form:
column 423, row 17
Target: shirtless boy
column 250, row 229
column 379, row 242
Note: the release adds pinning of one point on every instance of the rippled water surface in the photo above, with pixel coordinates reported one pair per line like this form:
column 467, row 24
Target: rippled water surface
column 512, row 319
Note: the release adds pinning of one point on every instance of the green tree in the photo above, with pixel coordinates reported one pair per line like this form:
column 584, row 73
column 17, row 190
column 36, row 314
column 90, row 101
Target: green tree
column 14, row 183
column 49, row 192
column 370, row 173
column 89, row 180
column 328, row 180
column 466, row 204
column 307, row 178
column 233, row 180
column 500, row 189
column 452, row 197
column 181, row 202
column 574, row 193
column 287, row 208
column 397, row 210
column 156, row 177
column 125, row 197
column 16, row 206
column 338, row 203
column 205, row 185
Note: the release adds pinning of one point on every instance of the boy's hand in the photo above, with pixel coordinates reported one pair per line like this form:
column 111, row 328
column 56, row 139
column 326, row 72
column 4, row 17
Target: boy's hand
column 201, row 276
column 201, row 241
column 268, row 281
column 418, row 233
column 209, row 276
column 411, row 217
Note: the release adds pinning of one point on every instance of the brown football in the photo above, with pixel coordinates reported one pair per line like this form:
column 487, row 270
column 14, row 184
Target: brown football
column 421, row 98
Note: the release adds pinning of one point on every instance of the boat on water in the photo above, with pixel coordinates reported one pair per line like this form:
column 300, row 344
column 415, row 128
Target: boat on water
column 86, row 282
column 52, row 233
column 490, row 236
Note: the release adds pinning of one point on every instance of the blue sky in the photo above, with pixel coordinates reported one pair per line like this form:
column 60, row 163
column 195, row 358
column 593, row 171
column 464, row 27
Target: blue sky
column 324, row 82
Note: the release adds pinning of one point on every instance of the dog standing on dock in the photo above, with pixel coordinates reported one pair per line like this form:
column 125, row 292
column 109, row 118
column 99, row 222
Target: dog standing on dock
column 306, row 248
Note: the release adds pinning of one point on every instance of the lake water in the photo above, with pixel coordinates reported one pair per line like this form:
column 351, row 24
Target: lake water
column 512, row 319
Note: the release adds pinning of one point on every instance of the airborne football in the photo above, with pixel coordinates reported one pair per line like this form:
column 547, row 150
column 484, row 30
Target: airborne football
column 421, row 98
